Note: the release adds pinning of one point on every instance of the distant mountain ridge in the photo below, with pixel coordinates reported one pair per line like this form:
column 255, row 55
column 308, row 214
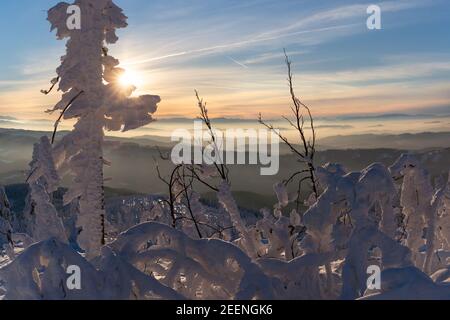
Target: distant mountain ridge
column 134, row 159
column 405, row 141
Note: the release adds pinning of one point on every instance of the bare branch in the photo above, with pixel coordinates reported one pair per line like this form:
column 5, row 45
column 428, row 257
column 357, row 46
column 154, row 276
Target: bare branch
column 221, row 167
column 299, row 109
column 53, row 83
column 62, row 114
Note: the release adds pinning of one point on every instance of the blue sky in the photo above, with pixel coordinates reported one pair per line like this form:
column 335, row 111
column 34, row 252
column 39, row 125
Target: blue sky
column 231, row 50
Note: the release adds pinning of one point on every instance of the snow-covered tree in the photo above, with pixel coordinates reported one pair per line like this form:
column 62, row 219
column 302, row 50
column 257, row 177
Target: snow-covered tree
column 5, row 211
column 416, row 201
column 92, row 95
column 439, row 252
column 43, row 181
column 6, row 241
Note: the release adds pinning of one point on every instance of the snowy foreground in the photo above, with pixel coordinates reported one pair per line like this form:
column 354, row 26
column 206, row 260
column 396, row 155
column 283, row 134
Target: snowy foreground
column 360, row 219
column 394, row 219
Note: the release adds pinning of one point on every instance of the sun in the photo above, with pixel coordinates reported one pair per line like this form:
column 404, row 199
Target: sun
column 130, row 78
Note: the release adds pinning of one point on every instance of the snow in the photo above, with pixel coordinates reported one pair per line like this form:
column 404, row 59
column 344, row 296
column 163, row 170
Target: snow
column 322, row 253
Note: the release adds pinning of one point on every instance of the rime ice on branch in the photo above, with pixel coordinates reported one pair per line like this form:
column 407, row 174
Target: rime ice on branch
column 88, row 78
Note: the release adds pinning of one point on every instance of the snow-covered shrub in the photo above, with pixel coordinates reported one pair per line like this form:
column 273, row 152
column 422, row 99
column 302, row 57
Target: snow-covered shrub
column 409, row 284
column 197, row 269
column 246, row 240
column 352, row 216
column 41, row 273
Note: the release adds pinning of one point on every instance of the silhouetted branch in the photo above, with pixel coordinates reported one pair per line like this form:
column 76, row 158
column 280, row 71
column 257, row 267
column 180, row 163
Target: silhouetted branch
column 53, row 82
column 62, row 114
column 222, row 169
column 307, row 154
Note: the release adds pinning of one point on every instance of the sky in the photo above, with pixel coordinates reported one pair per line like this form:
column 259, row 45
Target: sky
column 232, row 52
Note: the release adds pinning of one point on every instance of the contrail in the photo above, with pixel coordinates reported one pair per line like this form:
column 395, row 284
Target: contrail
column 239, row 44
column 237, row 62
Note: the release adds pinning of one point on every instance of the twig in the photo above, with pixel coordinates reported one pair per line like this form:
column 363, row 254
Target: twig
column 221, row 168
column 308, row 145
column 53, row 82
column 62, row 114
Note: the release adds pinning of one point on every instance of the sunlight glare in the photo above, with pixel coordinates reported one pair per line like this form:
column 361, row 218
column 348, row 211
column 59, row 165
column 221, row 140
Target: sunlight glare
column 130, row 78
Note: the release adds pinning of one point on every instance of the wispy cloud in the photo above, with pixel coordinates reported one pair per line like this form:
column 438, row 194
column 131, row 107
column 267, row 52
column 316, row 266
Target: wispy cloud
column 345, row 13
column 386, row 72
column 239, row 44
column 326, row 24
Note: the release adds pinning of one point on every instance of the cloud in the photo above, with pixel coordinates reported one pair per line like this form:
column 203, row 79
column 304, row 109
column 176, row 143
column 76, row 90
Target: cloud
column 6, row 84
column 334, row 126
column 338, row 21
column 347, row 12
column 8, row 118
column 238, row 44
column 385, row 72
column 387, row 116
